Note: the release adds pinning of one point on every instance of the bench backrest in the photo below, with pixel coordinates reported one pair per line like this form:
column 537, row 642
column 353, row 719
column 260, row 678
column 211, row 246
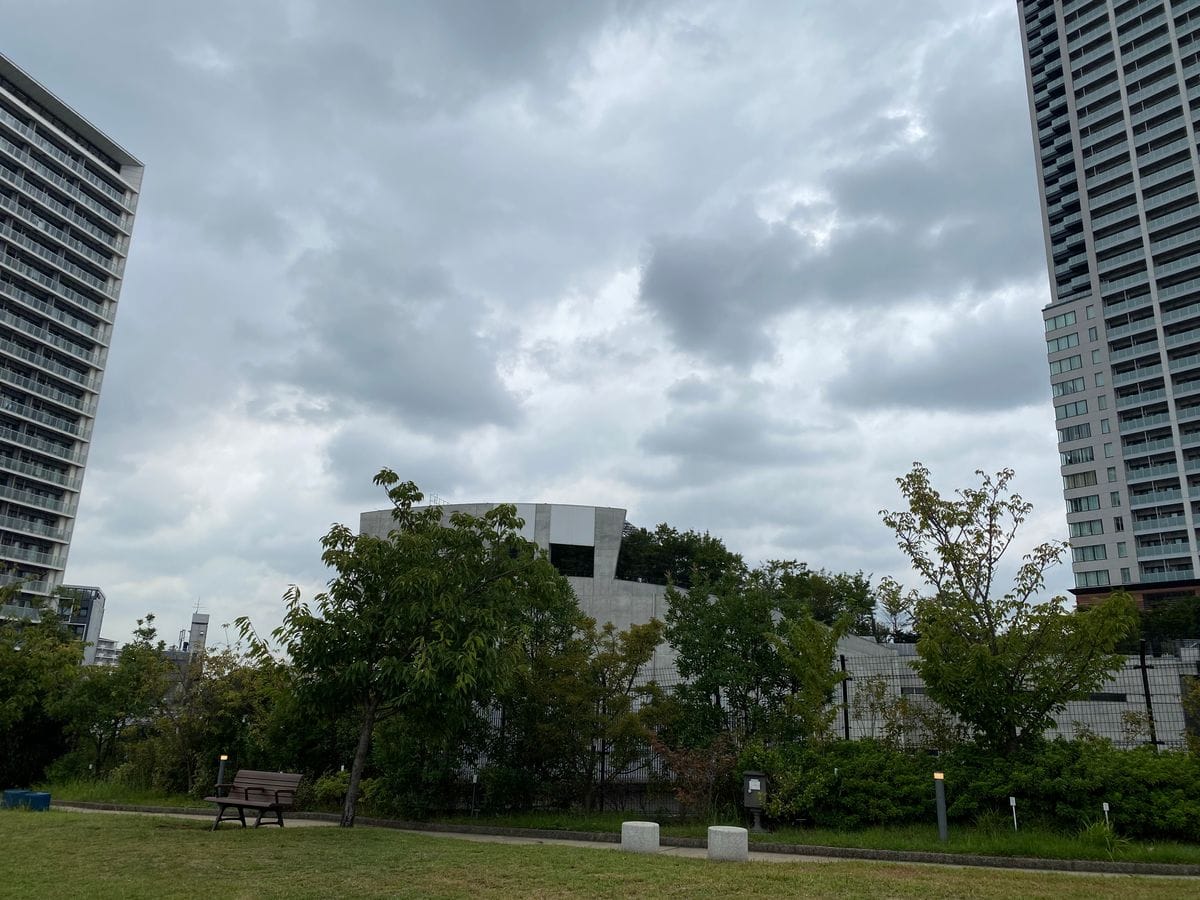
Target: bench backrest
column 251, row 785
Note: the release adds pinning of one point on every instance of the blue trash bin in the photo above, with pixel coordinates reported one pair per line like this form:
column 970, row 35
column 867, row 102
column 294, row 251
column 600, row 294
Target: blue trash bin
column 15, row 798
column 37, row 800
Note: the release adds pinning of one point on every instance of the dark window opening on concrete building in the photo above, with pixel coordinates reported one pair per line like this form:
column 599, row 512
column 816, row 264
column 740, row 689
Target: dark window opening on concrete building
column 573, row 559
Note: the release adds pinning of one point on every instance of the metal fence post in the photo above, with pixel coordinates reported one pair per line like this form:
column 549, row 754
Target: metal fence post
column 845, row 698
column 1146, row 691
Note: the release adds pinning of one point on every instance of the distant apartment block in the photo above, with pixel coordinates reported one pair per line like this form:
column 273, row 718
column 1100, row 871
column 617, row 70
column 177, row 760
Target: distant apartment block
column 82, row 609
column 67, row 199
column 106, row 653
column 1114, row 101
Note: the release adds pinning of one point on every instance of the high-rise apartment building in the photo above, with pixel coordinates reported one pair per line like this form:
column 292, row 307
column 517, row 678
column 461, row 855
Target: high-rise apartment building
column 67, row 200
column 1114, row 98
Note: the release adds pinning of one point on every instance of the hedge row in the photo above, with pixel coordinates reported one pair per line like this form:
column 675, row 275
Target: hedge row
column 1060, row 784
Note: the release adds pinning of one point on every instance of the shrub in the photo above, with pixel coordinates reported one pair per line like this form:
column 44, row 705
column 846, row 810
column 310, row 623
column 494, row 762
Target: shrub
column 329, row 791
column 1059, row 784
column 846, row 784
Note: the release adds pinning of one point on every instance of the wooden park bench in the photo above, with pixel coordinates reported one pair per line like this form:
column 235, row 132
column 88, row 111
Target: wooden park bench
column 264, row 791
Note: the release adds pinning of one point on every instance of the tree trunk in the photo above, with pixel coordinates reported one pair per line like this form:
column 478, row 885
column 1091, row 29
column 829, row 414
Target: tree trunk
column 360, row 762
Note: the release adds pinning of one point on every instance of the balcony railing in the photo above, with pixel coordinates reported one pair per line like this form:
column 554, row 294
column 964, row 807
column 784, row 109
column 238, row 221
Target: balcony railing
column 76, row 429
column 50, row 311
column 29, row 498
column 1173, row 575
column 29, row 526
column 44, row 362
column 1170, row 523
column 118, row 242
column 33, row 442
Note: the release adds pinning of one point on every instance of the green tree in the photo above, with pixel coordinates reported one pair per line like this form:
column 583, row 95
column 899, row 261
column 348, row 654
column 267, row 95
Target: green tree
column 104, row 701
column 835, row 599
column 669, row 556
column 537, row 748
column 426, row 622
column 618, row 735
column 1004, row 663
column 807, row 649
column 217, row 703
column 895, row 608
column 39, row 663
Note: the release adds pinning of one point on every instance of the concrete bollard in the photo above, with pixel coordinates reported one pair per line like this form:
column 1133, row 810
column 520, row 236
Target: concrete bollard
column 639, row 837
column 728, row 843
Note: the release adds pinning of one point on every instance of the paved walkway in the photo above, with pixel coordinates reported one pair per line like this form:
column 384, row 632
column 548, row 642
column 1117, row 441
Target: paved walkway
column 691, row 852
column 300, row 823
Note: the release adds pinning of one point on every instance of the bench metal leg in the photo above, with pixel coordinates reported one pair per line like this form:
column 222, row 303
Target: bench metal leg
column 278, row 817
column 221, row 815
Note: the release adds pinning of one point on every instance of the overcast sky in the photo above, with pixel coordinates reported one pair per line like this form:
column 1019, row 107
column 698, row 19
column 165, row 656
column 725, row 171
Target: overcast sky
column 733, row 266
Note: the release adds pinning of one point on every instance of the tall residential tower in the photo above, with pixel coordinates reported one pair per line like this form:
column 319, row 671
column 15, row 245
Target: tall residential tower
column 1114, row 86
column 67, row 200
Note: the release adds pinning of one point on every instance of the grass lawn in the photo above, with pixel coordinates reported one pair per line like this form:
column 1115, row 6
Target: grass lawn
column 107, row 792
column 1035, row 842
column 97, row 855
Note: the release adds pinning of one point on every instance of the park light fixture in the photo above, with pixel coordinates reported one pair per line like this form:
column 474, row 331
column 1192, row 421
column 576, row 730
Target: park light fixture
column 939, row 793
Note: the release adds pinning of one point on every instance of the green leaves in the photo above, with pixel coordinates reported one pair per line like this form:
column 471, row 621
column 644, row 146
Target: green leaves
column 425, row 622
column 1002, row 661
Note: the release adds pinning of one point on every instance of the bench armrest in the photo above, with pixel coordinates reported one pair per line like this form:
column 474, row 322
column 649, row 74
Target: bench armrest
column 223, row 785
column 289, row 791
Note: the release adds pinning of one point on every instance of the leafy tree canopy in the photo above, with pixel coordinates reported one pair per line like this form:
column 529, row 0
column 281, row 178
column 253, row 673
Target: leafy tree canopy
column 668, row 556
column 39, row 660
column 1004, row 663
column 426, row 621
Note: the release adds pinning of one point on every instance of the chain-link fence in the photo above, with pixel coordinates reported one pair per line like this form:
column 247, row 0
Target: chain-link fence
column 883, row 697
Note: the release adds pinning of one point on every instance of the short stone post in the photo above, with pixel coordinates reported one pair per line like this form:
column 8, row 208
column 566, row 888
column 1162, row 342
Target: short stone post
column 726, row 842
column 639, row 837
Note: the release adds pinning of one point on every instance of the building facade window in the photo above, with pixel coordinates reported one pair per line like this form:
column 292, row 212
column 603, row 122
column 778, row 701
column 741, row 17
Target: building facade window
column 1067, row 410
column 1079, row 480
column 1078, row 455
column 1075, row 433
column 1061, row 321
column 1069, row 364
column 1066, row 342
column 1092, row 579
column 1089, row 553
column 1074, row 386
column 1087, row 529
column 1083, row 504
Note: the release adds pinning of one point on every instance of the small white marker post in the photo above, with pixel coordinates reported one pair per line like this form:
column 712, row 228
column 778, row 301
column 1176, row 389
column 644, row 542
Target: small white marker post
column 1012, row 801
column 1104, row 806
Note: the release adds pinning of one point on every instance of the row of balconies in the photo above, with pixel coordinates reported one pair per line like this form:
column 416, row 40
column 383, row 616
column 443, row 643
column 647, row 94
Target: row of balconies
column 45, row 363
column 98, row 333
column 109, row 263
column 63, row 185
column 119, row 195
column 99, row 309
column 117, row 242
column 91, row 356
column 59, row 261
